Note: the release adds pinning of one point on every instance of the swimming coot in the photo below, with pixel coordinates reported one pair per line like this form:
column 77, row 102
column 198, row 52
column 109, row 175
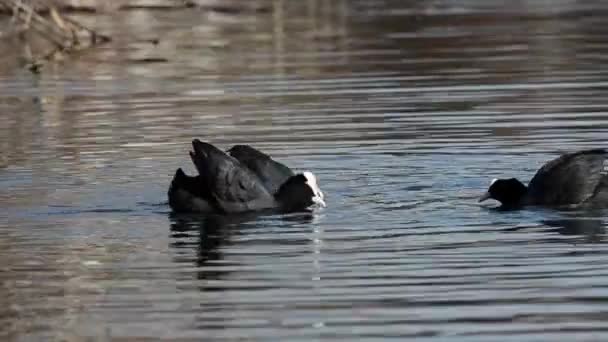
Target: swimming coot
column 574, row 179
column 243, row 180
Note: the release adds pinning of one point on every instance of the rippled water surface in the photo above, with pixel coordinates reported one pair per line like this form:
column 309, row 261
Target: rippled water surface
column 403, row 109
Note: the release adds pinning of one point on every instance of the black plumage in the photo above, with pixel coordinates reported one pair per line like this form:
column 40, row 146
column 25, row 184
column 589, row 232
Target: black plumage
column 573, row 179
column 243, row 180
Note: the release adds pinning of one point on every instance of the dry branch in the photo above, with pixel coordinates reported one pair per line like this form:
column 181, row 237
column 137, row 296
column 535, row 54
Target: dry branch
column 63, row 33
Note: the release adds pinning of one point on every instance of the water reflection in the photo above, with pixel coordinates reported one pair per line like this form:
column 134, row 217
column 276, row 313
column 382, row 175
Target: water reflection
column 209, row 234
column 593, row 229
column 589, row 224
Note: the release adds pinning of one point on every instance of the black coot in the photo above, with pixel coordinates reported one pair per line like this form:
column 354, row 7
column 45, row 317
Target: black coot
column 574, row 179
column 244, row 180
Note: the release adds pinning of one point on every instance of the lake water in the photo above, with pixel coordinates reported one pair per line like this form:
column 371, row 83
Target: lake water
column 405, row 110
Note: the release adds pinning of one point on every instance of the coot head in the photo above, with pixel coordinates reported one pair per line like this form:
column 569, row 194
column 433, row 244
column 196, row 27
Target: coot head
column 509, row 192
column 300, row 192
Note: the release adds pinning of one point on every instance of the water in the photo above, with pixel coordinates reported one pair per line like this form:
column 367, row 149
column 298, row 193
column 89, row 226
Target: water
column 404, row 111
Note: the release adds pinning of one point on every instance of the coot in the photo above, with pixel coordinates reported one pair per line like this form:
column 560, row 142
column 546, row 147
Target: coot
column 574, row 179
column 243, row 180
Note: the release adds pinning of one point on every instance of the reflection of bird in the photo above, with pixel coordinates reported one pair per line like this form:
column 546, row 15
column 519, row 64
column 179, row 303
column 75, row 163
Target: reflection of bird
column 243, row 180
column 577, row 226
column 211, row 236
column 574, row 179
column 215, row 232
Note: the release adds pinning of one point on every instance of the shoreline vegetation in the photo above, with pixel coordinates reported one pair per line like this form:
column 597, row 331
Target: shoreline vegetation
column 41, row 31
column 95, row 6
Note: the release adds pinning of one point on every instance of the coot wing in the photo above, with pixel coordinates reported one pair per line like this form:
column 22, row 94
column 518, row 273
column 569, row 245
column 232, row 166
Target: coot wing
column 188, row 194
column 272, row 173
column 572, row 178
column 600, row 196
column 233, row 187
